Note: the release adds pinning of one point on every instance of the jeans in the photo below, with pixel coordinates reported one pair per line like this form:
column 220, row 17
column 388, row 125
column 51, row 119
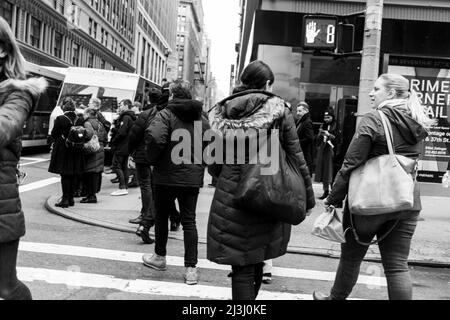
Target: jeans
column 10, row 287
column 120, row 167
column 144, row 176
column 187, row 200
column 246, row 281
column 394, row 250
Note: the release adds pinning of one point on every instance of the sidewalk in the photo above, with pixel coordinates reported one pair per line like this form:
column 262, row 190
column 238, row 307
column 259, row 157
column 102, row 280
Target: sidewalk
column 430, row 246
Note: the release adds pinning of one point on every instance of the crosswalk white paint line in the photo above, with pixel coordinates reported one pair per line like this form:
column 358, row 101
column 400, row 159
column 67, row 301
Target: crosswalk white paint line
column 135, row 257
column 146, row 287
column 32, row 161
column 39, row 184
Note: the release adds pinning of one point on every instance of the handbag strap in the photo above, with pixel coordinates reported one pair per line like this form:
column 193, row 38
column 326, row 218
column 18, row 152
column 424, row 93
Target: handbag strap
column 389, row 137
column 372, row 242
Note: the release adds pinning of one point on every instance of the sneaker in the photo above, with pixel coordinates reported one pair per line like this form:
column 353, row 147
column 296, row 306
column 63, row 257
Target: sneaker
column 267, row 278
column 191, row 276
column 120, row 192
column 155, row 262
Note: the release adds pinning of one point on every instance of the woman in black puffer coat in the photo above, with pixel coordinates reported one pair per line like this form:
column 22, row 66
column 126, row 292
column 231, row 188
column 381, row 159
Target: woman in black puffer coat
column 18, row 99
column 66, row 161
column 242, row 239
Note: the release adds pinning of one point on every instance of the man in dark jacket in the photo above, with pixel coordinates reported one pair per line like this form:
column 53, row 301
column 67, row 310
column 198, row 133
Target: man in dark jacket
column 176, row 181
column 305, row 132
column 137, row 148
column 120, row 145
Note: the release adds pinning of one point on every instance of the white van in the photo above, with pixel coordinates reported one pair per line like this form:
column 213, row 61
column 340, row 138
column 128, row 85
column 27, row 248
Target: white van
column 111, row 87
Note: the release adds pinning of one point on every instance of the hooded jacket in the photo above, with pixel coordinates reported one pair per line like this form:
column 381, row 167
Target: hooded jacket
column 236, row 237
column 136, row 146
column 120, row 141
column 183, row 116
column 369, row 142
column 18, row 99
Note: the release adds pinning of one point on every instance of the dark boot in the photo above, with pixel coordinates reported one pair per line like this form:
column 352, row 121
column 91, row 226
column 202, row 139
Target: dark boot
column 63, row 203
column 138, row 220
column 174, row 226
column 90, row 199
column 144, row 233
column 71, row 202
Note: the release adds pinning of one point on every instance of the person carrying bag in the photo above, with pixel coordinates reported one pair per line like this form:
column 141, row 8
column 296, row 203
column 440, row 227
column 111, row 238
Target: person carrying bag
column 378, row 176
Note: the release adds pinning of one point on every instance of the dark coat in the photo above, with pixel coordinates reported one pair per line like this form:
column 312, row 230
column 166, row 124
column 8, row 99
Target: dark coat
column 136, row 146
column 179, row 114
column 66, row 161
column 120, row 141
column 95, row 162
column 237, row 237
column 18, row 99
column 369, row 142
column 305, row 132
column 325, row 154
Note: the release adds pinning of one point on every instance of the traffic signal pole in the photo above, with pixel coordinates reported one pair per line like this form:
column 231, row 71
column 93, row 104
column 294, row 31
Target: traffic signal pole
column 370, row 54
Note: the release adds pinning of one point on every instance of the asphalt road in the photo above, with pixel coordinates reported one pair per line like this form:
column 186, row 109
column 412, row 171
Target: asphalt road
column 61, row 260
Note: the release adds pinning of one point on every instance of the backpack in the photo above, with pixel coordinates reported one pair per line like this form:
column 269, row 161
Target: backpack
column 76, row 137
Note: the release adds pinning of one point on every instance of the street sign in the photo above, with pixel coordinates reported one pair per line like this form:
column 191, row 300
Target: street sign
column 320, row 32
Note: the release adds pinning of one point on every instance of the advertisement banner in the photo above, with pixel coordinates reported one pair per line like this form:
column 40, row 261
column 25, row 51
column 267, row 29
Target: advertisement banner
column 430, row 78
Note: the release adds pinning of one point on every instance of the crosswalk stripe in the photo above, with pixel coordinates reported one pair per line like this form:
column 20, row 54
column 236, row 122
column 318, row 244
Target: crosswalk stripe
column 38, row 184
column 134, row 257
column 146, row 287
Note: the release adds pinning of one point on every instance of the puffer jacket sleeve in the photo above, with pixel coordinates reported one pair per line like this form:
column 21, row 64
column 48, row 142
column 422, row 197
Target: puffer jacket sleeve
column 157, row 136
column 89, row 129
column 13, row 114
column 291, row 146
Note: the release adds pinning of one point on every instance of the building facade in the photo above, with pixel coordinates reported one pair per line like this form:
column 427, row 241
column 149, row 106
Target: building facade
column 155, row 42
column 414, row 44
column 89, row 33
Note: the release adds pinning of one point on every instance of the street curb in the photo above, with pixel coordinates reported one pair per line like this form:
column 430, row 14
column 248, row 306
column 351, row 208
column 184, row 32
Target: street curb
column 327, row 253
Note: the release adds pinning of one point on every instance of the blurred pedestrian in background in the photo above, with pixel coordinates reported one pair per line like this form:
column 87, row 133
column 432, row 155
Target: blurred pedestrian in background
column 325, row 152
column 305, row 132
column 18, row 99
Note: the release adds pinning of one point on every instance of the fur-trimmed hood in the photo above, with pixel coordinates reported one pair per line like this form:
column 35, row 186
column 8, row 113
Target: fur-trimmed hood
column 247, row 110
column 34, row 86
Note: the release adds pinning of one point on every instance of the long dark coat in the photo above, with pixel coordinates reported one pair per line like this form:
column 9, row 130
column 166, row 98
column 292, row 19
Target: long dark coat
column 236, row 237
column 94, row 162
column 66, row 161
column 325, row 154
column 17, row 102
column 305, row 132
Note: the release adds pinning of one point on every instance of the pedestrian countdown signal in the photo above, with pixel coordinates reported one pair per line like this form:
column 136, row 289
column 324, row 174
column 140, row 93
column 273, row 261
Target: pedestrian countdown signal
column 320, row 32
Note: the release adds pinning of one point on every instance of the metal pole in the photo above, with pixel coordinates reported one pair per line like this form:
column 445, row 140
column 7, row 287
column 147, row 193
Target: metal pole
column 371, row 54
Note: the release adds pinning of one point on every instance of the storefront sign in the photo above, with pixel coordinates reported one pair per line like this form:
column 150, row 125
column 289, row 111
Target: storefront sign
column 319, row 32
column 430, row 78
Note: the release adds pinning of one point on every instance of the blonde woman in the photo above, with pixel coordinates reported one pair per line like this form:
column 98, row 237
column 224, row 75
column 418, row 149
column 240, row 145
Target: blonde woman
column 391, row 95
column 18, row 98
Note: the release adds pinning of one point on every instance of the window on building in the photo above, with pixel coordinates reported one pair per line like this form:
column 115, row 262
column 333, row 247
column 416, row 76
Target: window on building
column 6, row 11
column 103, row 64
column 76, row 54
column 58, row 45
column 58, row 5
column 90, row 60
column 35, row 33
